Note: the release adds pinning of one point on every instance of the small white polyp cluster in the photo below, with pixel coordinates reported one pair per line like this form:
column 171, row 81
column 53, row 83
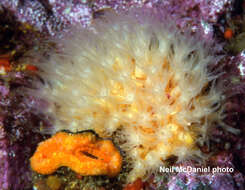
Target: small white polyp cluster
column 143, row 78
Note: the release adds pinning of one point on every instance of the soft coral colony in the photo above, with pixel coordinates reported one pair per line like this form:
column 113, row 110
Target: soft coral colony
column 143, row 81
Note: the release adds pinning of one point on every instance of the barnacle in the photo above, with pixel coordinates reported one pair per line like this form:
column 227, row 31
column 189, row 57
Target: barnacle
column 142, row 80
column 83, row 152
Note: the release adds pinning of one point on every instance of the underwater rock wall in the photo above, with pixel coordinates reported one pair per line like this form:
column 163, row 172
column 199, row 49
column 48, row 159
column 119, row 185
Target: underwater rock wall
column 18, row 135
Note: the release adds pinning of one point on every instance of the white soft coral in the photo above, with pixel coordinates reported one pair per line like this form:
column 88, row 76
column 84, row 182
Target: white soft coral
column 140, row 77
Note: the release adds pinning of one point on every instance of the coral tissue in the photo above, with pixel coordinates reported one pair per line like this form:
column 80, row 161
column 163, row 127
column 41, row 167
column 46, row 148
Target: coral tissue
column 141, row 80
column 84, row 153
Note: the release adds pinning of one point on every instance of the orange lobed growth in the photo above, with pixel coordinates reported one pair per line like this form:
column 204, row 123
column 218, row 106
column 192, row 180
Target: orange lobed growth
column 4, row 65
column 136, row 185
column 84, row 153
column 228, row 34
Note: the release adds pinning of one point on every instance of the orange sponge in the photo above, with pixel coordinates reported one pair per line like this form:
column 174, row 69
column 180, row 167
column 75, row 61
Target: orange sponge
column 84, row 153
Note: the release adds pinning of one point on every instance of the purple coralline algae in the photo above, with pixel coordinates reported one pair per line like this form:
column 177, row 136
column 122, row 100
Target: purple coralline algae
column 19, row 133
column 4, row 164
column 220, row 174
column 20, row 122
column 52, row 15
column 191, row 181
column 196, row 15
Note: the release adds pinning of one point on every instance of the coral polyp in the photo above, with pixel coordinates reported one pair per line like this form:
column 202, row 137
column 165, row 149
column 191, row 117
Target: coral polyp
column 142, row 80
